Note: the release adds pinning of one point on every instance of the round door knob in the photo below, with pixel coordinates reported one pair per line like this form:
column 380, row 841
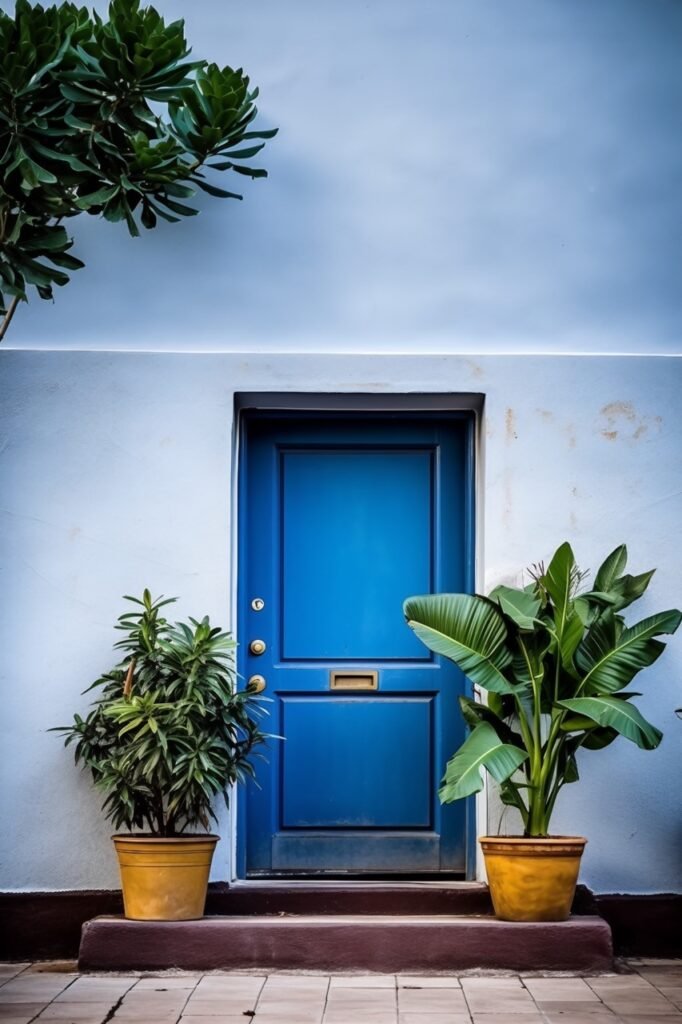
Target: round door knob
column 256, row 684
column 257, row 646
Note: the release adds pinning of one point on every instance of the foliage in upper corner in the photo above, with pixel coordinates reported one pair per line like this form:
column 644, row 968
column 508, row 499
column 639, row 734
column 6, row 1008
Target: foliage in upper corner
column 81, row 130
column 169, row 730
column 556, row 662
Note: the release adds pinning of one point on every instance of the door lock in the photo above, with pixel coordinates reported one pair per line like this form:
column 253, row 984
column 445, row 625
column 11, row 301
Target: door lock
column 256, row 684
column 257, row 647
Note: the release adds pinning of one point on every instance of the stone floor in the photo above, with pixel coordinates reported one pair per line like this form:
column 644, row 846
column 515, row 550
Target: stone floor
column 642, row 992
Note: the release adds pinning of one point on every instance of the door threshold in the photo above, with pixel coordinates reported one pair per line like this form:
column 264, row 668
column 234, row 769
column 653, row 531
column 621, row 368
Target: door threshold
column 352, row 882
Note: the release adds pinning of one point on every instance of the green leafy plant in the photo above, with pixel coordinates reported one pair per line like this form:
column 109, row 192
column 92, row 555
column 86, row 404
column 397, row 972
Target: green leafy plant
column 82, row 129
column 556, row 662
column 169, row 731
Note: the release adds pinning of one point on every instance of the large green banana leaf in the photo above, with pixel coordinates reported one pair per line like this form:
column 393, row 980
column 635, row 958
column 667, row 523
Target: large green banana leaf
column 611, row 569
column 520, row 605
column 467, row 629
column 482, row 749
column 558, row 579
column 568, row 623
column 617, row 714
column 610, row 662
column 474, row 711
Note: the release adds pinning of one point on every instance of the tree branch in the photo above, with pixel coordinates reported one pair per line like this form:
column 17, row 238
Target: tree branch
column 7, row 319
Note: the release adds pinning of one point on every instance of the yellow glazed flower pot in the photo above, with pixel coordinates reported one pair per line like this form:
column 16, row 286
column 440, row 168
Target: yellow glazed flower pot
column 532, row 879
column 164, row 879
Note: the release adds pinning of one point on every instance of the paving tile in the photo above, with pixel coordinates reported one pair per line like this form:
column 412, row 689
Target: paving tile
column 361, row 999
column 78, row 1013
column 53, row 967
column 34, row 988
column 17, row 1020
column 655, row 1018
column 626, row 984
column 648, row 1005
column 431, row 1000
column 425, row 981
column 584, row 1006
column 502, row 1018
column 96, row 990
column 8, row 1011
column 218, row 983
column 274, row 994
column 149, row 1017
column 141, row 1011
column 359, row 1017
column 497, row 995
column 133, row 1007
column 161, row 984
column 562, row 989
column 276, row 1018
column 670, row 969
column 9, row 971
column 674, row 994
column 306, row 1012
column 362, row 981
column 288, row 1016
column 239, row 1019
column 579, row 1016
column 433, row 1018
column 654, row 961
column 232, row 1006
column 297, row 982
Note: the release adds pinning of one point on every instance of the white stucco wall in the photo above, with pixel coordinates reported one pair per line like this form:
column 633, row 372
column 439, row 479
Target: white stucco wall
column 483, row 174
column 116, row 474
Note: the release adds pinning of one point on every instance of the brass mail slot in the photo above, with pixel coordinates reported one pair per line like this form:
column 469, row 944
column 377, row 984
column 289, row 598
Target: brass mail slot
column 344, row 680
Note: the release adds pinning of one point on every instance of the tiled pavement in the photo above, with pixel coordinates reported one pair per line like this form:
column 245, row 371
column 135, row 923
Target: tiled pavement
column 644, row 992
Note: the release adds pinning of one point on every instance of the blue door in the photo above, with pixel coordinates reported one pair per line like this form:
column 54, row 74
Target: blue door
column 341, row 518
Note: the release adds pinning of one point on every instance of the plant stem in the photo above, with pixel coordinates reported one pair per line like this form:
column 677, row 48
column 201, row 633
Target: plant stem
column 7, row 319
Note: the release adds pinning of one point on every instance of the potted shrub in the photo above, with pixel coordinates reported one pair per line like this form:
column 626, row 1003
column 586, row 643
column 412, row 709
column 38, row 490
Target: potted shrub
column 556, row 661
column 169, row 731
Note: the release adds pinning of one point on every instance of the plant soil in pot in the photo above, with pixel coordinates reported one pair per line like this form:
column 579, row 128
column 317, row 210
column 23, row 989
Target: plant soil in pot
column 556, row 659
column 168, row 733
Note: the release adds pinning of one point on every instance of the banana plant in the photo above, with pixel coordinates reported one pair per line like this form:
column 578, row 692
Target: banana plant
column 556, row 660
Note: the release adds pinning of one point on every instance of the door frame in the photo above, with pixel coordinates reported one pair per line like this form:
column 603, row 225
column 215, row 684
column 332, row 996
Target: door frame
column 470, row 405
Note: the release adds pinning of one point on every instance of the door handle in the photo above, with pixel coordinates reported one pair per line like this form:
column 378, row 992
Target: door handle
column 256, row 684
column 257, row 647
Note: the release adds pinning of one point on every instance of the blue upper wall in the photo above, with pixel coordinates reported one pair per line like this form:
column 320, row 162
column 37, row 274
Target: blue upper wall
column 492, row 175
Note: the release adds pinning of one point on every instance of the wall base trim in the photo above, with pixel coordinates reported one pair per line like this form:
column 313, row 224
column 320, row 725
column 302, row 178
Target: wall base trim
column 47, row 925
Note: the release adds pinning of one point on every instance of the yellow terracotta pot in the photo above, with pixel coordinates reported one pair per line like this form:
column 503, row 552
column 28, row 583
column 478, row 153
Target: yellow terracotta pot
column 532, row 879
column 164, row 879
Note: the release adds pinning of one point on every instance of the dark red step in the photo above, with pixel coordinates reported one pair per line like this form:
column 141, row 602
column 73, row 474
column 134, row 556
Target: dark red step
column 354, row 897
column 391, row 944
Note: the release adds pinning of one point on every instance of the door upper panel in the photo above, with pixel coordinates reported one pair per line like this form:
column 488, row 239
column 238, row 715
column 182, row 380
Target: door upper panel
column 357, row 537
